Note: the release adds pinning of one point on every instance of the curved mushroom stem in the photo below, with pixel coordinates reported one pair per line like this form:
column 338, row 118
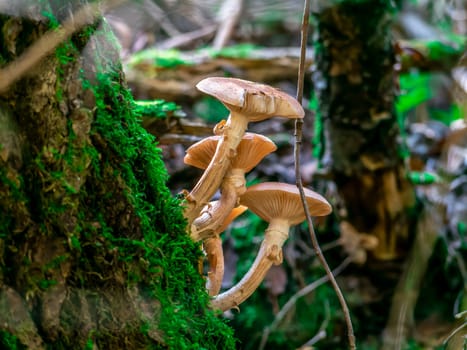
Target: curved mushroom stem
column 215, row 255
column 269, row 253
column 233, row 131
column 208, row 223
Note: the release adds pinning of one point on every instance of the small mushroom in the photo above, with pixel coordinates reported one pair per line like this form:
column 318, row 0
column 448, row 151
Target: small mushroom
column 250, row 151
column 247, row 102
column 215, row 255
column 280, row 205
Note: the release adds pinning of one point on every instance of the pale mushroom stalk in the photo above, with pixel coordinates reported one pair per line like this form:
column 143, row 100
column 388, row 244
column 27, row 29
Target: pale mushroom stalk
column 251, row 149
column 232, row 187
column 269, row 253
column 232, row 133
column 215, row 255
column 280, row 205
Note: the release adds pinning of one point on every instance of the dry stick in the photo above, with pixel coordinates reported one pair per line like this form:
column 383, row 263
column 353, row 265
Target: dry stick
column 229, row 15
column 293, row 300
column 298, row 178
column 160, row 17
column 49, row 41
column 187, row 38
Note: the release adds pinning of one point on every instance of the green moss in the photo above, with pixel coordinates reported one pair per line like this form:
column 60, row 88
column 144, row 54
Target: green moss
column 89, row 345
column 159, row 58
column 46, row 284
column 318, row 140
column 53, row 22
column 166, row 256
column 102, row 209
column 9, row 341
column 156, row 108
column 235, row 51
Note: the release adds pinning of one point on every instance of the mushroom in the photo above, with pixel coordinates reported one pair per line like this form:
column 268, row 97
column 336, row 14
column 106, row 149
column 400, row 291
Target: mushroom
column 280, row 205
column 215, row 255
column 247, row 102
column 250, row 151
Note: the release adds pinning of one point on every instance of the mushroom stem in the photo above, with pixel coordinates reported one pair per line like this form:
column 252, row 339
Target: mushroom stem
column 215, row 256
column 233, row 131
column 207, row 224
column 269, row 253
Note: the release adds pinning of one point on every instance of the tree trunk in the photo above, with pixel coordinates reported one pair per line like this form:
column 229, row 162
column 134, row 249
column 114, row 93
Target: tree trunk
column 354, row 83
column 93, row 252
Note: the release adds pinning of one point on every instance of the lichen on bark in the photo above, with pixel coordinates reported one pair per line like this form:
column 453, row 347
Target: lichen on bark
column 92, row 243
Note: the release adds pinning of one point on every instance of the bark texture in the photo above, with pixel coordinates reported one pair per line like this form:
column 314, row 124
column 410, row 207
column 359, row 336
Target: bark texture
column 354, row 84
column 93, row 252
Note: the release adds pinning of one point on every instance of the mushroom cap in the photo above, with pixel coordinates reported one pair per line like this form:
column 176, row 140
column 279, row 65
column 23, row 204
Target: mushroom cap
column 276, row 200
column 200, row 153
column 237, row 211
column 254, row 100
column 250, row 151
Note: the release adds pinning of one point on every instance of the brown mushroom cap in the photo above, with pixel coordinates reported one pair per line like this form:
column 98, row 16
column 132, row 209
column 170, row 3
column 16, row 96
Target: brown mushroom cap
column 237, row 211
column 257, row 101
column 250, row 151
column 274, row 200
column 200, row 153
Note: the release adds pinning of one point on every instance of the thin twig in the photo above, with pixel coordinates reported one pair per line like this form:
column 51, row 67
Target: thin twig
column 322, row 329
column 86, row 15
column 298, row 178
column 293, row 300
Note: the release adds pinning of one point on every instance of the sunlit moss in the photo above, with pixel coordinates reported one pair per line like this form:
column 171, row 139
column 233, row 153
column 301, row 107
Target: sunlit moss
column 166, row 254
column 156, row 108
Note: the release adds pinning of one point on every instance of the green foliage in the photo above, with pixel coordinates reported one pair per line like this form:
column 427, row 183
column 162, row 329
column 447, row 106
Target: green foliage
column 422, row 178
column 159, row 58
column 437, row 50
column 53, row 22
column 415, row 89
column 210, row 109
column 234, row 51
column 418, row 88
column 89, row 345
column 156, row 108
column 318, row 140
column 447, row 116
column 173, row 58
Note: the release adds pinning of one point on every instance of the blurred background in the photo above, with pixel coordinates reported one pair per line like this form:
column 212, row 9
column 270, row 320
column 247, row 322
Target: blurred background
column 169, row 45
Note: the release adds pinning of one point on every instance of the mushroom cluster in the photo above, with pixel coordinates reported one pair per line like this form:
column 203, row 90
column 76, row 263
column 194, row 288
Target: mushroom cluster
column 225, row 158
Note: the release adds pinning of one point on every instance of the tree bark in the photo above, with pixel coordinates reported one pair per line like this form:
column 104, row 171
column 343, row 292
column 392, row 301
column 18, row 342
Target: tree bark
column 354, row 84
column 93, row 252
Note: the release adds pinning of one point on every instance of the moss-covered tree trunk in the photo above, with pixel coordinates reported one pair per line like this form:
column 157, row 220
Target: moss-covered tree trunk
column 354, row 82
column 93, row 252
